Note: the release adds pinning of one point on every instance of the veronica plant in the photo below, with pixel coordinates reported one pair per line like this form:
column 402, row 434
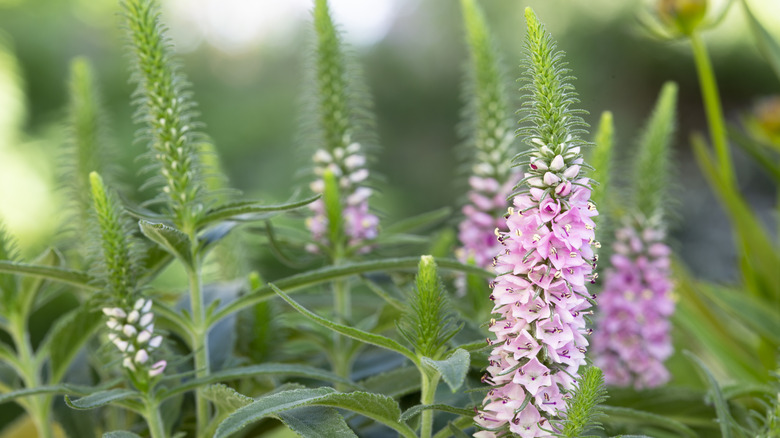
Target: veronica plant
column 633, row 340
column 539, row 293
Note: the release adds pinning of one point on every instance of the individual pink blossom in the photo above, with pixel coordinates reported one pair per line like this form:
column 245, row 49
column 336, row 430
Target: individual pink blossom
column 360, row 225
column 632, row 339
column 540, row 298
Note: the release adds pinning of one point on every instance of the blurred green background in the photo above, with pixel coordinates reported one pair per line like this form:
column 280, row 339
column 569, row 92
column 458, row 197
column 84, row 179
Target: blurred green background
column 245, row 59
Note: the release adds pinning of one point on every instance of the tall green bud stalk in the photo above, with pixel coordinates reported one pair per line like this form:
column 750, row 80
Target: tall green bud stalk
column 165, row 109
column 491, row 136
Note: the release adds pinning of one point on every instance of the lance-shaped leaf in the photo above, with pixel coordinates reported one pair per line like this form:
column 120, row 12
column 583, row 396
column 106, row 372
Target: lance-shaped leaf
column 120, row 434
column 245, row 211
column 453, row 369
column 67, row 336
column 360, row 335
column 721, row 407
column 375, row 406
column 54, row 273
column 316, row 422
column 266, row 369
column 101, row 398
column 621, row 415
column 417, row 409
column 173, row 240
column 767, row 45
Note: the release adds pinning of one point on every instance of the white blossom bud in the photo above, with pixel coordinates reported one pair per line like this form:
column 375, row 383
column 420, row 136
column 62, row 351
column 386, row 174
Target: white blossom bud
column 572, row 172
column 155, row 341
column 551, row 179
column 355, row 161
column 129, row 330
column 146, row 319
column 133, row 316
column 557, row 163
column 128, row 363
column 157, row 368
column 144, row 337
column 141, row 357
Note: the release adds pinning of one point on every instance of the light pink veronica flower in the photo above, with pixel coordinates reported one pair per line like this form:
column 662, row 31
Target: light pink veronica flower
column 482, row 216
column 632, row 339
column 540, row 299
column 348, row 165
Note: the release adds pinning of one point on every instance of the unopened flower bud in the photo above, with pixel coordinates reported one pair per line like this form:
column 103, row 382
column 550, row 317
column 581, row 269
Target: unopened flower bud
column 551, row 179
column 157, row 368
column 141, row 357
column 129, row 330
column 146, row 319
column 684, row 15
column 572, row 172
column 133, row 316
column 155, row 341
column 144, row 337
column 557, row 163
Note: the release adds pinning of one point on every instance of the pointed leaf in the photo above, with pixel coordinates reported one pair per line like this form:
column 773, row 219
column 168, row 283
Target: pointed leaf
column 622, row 415
column 274, row 369
column 101, row 398
column 419, row 221
column 52, row 389
column 225, row 398
column 767, row 45
column 62, row 275
column 721, row 407
column 249, row 210
column 457, row 433
column 67, row 336
column 369, row 338
column 375, row 406
column 173, row 240
column 324, row 275
column 415, row 410
column 268, row 405
column 453, row 369
column 316, row 422
column 762, row 317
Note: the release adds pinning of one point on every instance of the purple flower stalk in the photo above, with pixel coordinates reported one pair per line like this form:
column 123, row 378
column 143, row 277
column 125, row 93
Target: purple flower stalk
column 540, row 298
column 348, row 165
column 477, row 231
column 132, row 332
column 632, row 339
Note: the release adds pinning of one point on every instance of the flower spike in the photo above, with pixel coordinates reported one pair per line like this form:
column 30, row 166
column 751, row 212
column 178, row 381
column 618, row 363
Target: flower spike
column 540, row 295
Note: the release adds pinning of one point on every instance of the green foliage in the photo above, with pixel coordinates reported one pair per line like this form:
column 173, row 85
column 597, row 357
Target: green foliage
column 428, row 323
column 767, row 45
column 174, row 241
column 316, row 422
column 374, row 406
column 652, row 167
column 166, row 110
column 8, row 282
column 452, row 369
column 116, row 269
column 86, row 150
column 488, row 121
column 582, row 410
column 101, row 398
column 549, row 95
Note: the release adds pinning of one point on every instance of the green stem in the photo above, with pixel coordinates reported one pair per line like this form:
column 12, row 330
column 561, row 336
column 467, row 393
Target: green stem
column 154, row 419
column 712, row 106
column 342, row 303
column 39, row 405
column 199, row 333
column 427, row 396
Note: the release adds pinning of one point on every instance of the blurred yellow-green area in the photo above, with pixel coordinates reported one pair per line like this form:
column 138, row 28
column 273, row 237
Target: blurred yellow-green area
column 245, row 59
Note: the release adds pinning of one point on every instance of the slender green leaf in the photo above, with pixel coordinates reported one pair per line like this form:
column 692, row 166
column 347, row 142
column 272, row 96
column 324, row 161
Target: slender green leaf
column 324, row 275
column 53, row 273
column 419, row 221
column 459, row 423
column 173, row 240
column 120, row 434
column 374, row 406
column 453, row 369
column 623, row 415
column 101, row 398
column 753, row 240
column 225, row 398
column 250, row 210
column 51, row 389
column 316, row 422
column 767, row 45
column 267, row 369
column 417, row 409
column 30, row 287
column 758, row 151
column 66, row 337
column 721, row 407
column 369, row 338
column 761, row 317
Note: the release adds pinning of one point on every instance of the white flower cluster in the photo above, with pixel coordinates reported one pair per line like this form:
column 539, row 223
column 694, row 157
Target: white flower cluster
column 133, row 334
